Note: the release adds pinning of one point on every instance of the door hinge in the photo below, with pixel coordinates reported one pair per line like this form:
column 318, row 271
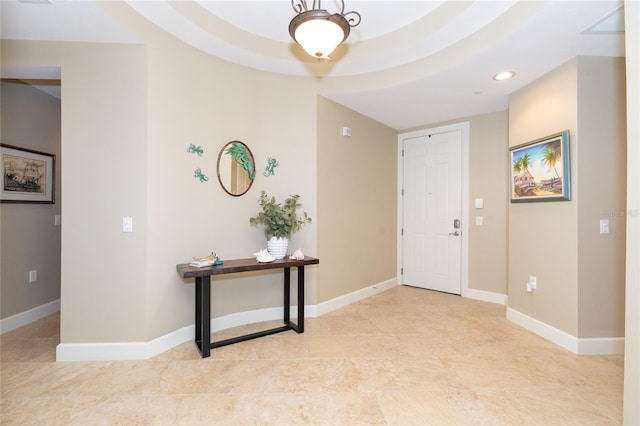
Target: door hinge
column 401, row 231
column 401, row 271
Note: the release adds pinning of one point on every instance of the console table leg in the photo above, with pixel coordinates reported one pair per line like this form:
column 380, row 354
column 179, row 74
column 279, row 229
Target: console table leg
column 203, row 315
column 287, row 296
column 300, row 299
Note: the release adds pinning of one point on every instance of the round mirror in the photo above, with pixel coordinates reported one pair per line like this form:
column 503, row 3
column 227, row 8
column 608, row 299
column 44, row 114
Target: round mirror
column 236, row 168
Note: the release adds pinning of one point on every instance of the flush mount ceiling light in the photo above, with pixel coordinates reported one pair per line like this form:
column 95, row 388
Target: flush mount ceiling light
column 504, row 75
column 318, row 31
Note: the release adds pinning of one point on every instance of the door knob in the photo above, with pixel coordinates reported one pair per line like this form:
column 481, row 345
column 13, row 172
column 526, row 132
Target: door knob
column 455, row 234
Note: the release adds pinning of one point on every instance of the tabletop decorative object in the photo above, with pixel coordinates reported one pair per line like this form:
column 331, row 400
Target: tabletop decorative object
column 263, row 256
column 211, row 260
column 297, row 255
column 279, row 220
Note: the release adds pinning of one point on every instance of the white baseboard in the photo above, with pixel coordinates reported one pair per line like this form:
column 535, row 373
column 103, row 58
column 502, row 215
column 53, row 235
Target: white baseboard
column 170, row 340
column 144, row 350
column 27, row 317
column 486, row 296
column 101, row 351
column 123, row 351
column 355, row 296
column 585, row 346
column 250, row 317
column 601, row 346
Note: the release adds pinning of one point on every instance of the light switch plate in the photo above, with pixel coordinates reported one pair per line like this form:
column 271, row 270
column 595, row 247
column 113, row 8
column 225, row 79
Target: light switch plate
column 127, row 224
column 479, row 203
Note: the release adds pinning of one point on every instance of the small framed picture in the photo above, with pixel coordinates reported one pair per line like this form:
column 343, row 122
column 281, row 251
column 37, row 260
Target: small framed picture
column 540, row 170
column 28, row 176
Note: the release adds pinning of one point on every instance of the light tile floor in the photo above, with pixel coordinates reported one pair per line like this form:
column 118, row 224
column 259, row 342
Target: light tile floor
column 405, row 356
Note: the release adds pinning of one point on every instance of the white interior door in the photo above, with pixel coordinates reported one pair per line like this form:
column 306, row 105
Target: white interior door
column 432, row 211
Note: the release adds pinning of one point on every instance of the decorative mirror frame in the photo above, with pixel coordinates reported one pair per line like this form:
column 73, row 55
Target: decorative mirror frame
column 245, row 161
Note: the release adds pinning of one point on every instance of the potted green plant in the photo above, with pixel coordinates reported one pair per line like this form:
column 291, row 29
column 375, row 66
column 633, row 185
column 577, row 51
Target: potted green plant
column 279, row 220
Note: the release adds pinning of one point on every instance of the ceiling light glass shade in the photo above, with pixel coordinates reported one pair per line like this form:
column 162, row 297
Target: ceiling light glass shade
column 318, row 31
column 319, row 37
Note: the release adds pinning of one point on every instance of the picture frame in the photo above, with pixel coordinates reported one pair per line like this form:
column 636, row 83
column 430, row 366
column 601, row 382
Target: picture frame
column 28, row 175
column 540, row 170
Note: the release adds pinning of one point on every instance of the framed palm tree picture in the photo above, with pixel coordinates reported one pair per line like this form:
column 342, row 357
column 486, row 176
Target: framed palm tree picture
column 540, row 170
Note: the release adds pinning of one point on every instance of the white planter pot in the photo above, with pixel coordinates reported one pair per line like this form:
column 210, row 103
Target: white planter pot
column 277, row 247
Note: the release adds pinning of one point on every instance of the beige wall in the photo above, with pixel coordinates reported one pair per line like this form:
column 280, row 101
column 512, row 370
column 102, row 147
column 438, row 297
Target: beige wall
column 488, row 179
column 104, row 143
column 357, row 201
column 30, row 119
column 194, row 98
column 579, row 271
column 543, row 236
column 601, row 195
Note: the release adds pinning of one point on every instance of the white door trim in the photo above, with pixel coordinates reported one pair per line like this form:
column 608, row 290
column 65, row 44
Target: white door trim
column 464, row 129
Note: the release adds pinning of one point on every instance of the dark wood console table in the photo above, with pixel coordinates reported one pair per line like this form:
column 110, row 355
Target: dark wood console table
column 203, row 296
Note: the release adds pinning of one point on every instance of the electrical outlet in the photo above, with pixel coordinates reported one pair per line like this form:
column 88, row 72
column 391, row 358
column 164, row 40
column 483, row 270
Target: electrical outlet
column 534, row 282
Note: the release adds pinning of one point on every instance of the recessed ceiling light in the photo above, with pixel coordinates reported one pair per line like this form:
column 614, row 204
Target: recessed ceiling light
column 504, row 75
